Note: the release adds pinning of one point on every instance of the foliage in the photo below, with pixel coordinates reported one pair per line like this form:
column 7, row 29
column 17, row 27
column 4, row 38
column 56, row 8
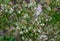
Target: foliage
column 18, row 21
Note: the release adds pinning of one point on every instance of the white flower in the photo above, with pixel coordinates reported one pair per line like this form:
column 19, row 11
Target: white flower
column 18, row 11
column 48, row 8
column 30, row 28
column 46, row 19
column 42, row 24
column 39, row 30
column 2, row 8
column 26, row 30
column 35, row 8
column 6, row 10
column 5, row 5
column 34, row 30
column 2, row 5
column 57, row 0
column 50, row 19
column 22, row 37
column 52, row 39
column 36, row 19
column 44, row 37
column 26, row 15
column 30, row 39
column 11, row 9
column 21, row 32
column 17, row 27
column 30, row 4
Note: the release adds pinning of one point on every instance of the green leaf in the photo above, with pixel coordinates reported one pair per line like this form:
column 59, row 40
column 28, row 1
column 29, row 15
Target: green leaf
column 0, row 1
column 7, row 1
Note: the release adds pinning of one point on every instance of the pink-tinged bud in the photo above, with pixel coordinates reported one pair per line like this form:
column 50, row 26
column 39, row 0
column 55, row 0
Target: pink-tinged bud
column 38, row 10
